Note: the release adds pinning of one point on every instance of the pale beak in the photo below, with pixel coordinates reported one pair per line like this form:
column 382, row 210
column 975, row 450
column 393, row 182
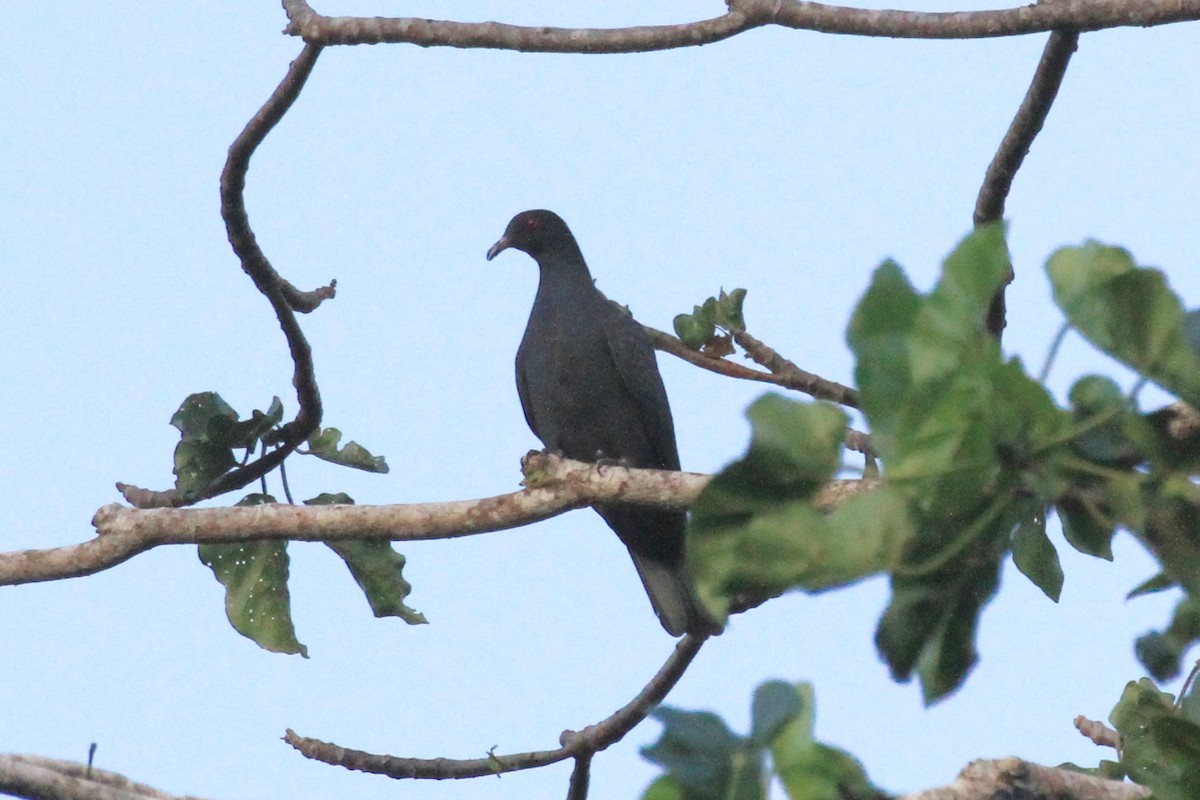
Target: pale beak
column 495, row 250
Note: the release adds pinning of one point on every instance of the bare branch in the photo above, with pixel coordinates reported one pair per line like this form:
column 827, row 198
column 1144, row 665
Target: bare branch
column 743, row 15
column 591, row 739
column 39, row 778
column 1026, row 125
column 1012, row 777
column 285, row 299
column 783, row 372
column 1099, row 733
column 558, row 485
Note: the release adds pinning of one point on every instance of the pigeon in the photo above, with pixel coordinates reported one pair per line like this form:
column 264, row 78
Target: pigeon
column 591, row 391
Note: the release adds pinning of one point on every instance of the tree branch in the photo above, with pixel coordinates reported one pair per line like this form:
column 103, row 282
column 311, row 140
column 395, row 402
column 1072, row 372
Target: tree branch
column 1012, row 777
column 591, row 739
column 783, row 372
column 285, row 299
column 554, row 484
column 38, row 778
column 1026, row 125
column 743, row 15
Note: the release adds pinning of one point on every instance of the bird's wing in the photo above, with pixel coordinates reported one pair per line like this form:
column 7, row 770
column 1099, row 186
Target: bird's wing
column 526, row 403
column 633, row 355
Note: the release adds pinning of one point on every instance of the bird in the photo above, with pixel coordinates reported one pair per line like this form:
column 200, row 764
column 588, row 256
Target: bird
column 590, row 389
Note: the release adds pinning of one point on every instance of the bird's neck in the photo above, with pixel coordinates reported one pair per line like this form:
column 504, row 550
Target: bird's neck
column 563, row 274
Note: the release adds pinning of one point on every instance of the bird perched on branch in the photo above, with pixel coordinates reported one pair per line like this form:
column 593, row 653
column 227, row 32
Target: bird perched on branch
column 590, row 389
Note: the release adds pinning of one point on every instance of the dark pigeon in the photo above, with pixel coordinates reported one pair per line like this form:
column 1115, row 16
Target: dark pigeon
column 590, row 390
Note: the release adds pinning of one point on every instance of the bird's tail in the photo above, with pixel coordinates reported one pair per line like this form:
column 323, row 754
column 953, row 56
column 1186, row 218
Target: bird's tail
column 673, row 598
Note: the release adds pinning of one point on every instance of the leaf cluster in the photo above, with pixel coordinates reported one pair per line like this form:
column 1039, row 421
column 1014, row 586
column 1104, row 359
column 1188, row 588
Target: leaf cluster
column 255, row 573
column 703, row 759
column 977, row 454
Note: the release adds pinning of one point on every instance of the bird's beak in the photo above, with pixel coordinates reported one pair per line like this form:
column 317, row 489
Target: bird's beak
column 495, row 250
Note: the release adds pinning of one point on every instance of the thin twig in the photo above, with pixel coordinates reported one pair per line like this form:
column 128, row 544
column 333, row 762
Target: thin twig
column 561, row 485
column 797, row 378
column 789, row 375
column 591, row 739
column 285, row 299
column 1028, row 122
column 1098, row 733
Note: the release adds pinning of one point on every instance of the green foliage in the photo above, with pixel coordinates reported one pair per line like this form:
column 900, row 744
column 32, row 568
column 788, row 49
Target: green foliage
column 376, row 567
column 705, row 760
column 1160, row 740
column 255, row 576
column 210, row 432
column 324, row 445
column 976, row 455
column 754, row 529
column 1128, row 312
column 699, row 328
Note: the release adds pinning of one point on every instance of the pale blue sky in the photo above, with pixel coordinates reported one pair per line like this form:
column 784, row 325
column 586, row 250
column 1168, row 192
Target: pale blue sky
column 787, row 163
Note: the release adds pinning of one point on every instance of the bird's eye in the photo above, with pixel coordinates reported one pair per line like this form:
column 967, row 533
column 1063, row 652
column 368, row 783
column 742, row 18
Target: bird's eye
column 532, row 224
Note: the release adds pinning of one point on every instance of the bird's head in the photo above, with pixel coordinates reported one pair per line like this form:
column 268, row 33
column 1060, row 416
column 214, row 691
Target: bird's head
column 534, row 232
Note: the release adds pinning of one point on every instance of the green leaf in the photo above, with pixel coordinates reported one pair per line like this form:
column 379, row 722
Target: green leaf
column 255, row 576
column 929, row 625
column 198, row 463
column 1161, row 653
column 707, row 760
column 1128, row 312
column 1086, row 527
column 754, row 528
column 1103, row 412
column 247, row 433
column 376, row 567
column 879, row 333
column 1160, row 748
column 729, row 310
column 1035, row 556
column 204, row 415
column 1159, row 583
column 776, row 703
column 205, row 449
column 324, row 445
column 697, row 328
column 664, row 788
column 810, row 770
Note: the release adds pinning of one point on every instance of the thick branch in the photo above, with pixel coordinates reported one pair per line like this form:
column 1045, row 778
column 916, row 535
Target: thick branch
column 559, row 485
column 39, row 778
column 1012, row 777
column 743, row 15
column 591, row 739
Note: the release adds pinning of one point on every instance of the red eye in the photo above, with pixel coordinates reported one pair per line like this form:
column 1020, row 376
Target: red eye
column 533, row 224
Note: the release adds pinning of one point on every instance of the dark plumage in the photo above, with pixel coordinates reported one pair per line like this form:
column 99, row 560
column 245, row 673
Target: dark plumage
column 590, row 390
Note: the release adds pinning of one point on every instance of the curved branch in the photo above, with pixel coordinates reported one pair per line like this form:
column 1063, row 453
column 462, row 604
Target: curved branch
column 285, row 299
column 591, row 739
column 1026, row 125
column 556, row 485
column 743, row 15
